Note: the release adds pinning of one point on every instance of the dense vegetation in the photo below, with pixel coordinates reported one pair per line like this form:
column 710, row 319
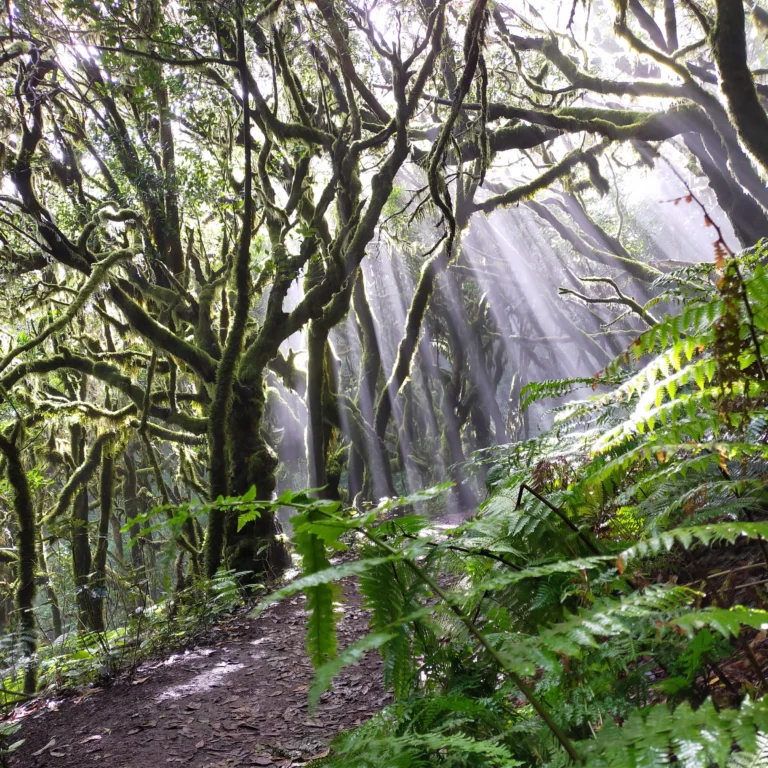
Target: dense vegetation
column 250, row 248
column 588, row 613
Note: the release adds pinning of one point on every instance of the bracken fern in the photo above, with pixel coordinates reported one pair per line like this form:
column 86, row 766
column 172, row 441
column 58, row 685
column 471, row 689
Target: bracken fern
column 548, row 630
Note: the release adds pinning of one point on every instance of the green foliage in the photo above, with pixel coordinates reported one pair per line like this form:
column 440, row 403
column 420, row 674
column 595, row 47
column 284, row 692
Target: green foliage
column 700, row 737
column 756, row 759
column 664, row 468
column 77, row 658
column 539, row 390
column 7, row 745
column 446, row 730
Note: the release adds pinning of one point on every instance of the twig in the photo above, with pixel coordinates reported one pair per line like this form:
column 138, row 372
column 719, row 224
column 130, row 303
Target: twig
column 750, row 584
column 724, row 678
column 726, row 573
column 559, row 513
column 754, row 662
column 455, row 548
column 718, row 244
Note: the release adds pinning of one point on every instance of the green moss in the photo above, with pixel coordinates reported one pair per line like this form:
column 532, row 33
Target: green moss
column 27, row 555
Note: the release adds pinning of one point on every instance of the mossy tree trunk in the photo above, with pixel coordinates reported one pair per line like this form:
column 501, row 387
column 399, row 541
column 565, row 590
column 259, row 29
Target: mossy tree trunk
column 27, row 555
column 729, row 50
column 117, row 537
column 81, row 547
column 99, row 580
column 452, row 423
column 255, row 548
column 238, row 455
column 50, row 592
column 369, row 468
column 132, row 507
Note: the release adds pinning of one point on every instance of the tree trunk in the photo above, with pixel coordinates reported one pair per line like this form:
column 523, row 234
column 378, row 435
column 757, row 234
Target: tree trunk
column 747, row 217
column 729, row 49
column 99, row 581
column 117, row 538
column 254, row 548
column 50, row 592
column 81, row 547
column 373, row 475
column 25, row 592
column 132, row 507
column 317, row 339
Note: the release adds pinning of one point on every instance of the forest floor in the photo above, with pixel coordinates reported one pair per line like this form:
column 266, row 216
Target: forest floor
column 238, row 698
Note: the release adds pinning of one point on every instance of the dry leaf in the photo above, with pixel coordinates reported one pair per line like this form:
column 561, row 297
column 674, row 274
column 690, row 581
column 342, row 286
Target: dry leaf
column 140, row 680
column 40, row 751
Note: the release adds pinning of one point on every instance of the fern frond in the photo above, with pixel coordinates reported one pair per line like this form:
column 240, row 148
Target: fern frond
column 700, row 738
column 756, row 759
column 325, row 673
column 324, row 576
column 686, row 537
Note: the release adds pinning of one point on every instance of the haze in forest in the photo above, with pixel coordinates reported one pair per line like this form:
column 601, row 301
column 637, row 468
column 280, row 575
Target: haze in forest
column 449, row 290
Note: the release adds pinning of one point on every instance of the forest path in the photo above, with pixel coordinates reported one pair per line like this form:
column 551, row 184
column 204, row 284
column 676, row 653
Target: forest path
column 238, row 699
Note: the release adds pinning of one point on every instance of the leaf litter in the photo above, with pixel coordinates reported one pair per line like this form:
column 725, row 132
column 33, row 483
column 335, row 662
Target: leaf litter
column 239, row 698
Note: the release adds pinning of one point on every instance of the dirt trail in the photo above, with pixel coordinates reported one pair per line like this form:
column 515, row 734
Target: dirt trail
column 238, row 699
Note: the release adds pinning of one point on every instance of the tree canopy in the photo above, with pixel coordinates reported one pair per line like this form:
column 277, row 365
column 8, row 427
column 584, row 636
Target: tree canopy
column 249, row 247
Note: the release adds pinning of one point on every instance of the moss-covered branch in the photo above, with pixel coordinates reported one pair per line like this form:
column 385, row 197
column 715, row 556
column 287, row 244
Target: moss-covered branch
column 219, row 449
column 107, row 373
column 543, row 180
column 79, row 477
column 98, row 275
column 158, row 334
column 631, row 266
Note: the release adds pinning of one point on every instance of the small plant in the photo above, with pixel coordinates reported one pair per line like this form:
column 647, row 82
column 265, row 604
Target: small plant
column 79, row 658
column 7, row 746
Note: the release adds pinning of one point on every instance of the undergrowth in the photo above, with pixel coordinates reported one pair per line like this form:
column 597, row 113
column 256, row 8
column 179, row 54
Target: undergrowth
column 77, row 658
column 605, row 606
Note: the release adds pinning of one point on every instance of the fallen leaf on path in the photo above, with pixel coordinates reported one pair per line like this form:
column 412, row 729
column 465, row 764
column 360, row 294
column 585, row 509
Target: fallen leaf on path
column 199, row 745
column 40, row 751
column 85, row 694
column 90, row 738
column 58, row 754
